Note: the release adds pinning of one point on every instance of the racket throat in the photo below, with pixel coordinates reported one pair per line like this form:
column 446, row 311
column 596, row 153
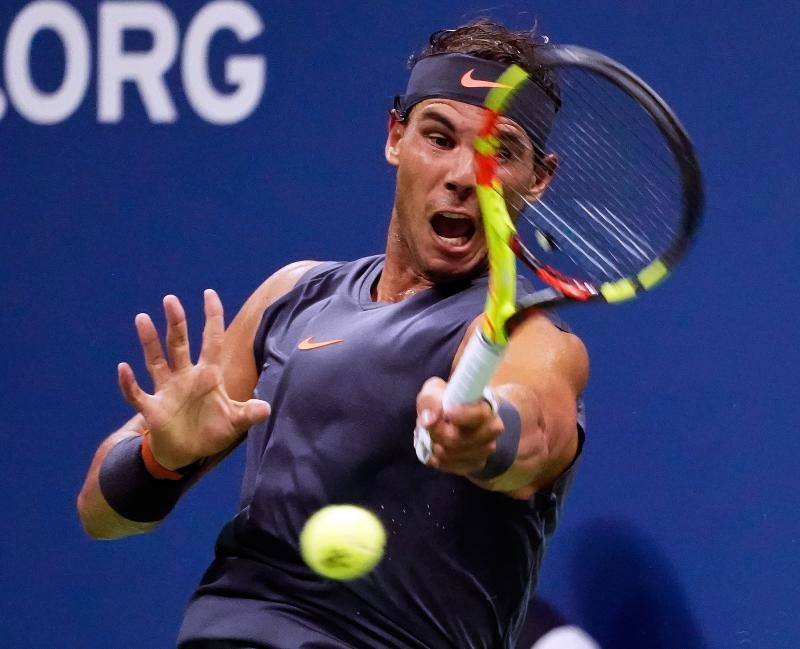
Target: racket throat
column 570, row 287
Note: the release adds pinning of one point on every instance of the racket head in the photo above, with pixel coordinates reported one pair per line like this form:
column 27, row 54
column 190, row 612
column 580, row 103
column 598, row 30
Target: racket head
column 620, row 190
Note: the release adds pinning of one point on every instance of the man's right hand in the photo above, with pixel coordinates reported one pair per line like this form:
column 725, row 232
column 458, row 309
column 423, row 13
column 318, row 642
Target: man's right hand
column 190, row 415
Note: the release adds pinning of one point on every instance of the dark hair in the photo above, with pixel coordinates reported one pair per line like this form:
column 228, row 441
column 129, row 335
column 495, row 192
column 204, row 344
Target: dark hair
column 489, row 40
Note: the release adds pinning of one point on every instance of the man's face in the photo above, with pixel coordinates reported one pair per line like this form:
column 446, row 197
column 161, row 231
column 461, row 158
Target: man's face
column 436, row 218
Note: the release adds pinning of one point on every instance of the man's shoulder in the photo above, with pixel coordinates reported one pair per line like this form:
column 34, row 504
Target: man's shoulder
column 283, row 280
column 302, row 271
column 290, row 275
column 275, row 287
column 280, row 282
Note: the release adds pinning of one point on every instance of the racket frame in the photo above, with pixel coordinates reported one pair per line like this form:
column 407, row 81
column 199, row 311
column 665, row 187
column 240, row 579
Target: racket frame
column 553, row 57
column 484, row 350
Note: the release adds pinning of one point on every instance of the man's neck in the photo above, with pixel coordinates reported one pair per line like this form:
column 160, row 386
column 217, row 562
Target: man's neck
column 398, row 281
column 400, row 278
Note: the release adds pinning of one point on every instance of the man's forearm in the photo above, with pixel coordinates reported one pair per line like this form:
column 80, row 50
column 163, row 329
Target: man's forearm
column 540, row 450
column 139, row 502
column 98, row 518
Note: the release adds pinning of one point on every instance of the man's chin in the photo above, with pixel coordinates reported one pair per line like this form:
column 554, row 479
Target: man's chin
column 449, row 272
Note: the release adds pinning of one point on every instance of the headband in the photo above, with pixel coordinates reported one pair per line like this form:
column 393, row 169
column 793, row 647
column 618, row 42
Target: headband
column 468, row 79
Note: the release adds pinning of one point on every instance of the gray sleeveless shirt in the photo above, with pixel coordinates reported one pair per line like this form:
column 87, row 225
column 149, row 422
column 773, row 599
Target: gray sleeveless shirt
column 460, row 561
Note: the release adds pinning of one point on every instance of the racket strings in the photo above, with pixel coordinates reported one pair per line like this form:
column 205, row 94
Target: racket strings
column 627, row 235
column 613, row 138
column 593, row 131
column 614, row 203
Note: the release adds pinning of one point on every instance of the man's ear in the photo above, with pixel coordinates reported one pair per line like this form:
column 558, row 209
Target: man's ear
column 545, row 170
column 396, row 128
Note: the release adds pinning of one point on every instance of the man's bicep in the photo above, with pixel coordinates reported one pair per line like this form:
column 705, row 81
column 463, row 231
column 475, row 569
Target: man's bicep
column 542, row 356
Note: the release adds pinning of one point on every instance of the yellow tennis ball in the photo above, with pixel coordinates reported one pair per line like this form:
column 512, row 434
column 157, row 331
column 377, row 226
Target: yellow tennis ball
column 342, row 541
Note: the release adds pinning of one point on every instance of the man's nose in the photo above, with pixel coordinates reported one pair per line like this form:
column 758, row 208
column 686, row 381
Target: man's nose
column 461, row 177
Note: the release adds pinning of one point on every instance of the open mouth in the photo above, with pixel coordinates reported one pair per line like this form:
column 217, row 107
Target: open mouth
column 453, row 229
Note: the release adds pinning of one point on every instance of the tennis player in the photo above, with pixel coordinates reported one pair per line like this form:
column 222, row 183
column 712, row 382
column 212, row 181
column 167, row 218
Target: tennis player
column 325, row 371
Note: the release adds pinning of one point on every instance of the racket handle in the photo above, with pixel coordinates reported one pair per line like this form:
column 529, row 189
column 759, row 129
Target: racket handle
column 474, row 371
column 471, row 376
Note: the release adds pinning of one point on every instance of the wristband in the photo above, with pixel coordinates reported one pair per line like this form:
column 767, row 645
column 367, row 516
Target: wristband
column 507, row 443
column 154, row 467
column 131, row 490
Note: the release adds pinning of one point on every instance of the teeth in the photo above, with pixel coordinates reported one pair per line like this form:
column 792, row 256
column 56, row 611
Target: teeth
column 454, row 241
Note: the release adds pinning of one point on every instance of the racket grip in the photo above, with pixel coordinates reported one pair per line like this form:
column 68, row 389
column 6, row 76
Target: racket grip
column 472, row 374
column 474, row 371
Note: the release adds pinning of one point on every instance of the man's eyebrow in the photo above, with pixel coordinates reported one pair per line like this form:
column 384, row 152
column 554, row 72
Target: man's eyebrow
column 432, row 113
column 512, row 135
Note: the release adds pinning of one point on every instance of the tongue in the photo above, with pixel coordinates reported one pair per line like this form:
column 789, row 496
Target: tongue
column 452, row 228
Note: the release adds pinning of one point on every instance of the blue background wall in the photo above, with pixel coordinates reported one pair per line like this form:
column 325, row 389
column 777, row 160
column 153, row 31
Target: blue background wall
column 684, row 516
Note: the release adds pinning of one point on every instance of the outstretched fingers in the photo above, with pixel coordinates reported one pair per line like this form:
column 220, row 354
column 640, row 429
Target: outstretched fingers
column 154, row 359
column 177, row 333
column 130, row 389
column 214, row 330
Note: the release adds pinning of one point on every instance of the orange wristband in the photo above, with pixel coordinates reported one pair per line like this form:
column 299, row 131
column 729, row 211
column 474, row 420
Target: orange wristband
column 152, row 465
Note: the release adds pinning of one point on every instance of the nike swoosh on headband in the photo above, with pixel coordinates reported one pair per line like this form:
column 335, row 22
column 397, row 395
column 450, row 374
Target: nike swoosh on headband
column 469, row 82
column 308, row 343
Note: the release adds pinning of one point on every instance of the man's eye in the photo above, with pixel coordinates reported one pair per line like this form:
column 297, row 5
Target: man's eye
column 441, row 141
column 512, row 153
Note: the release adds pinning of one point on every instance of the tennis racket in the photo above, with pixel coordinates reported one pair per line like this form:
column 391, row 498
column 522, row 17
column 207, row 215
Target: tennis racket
column 623, row 202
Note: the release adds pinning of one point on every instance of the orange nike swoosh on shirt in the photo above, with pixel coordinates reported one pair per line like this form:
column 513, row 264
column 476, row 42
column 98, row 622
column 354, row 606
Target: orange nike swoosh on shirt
column 469, row 82
column 308, row 343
